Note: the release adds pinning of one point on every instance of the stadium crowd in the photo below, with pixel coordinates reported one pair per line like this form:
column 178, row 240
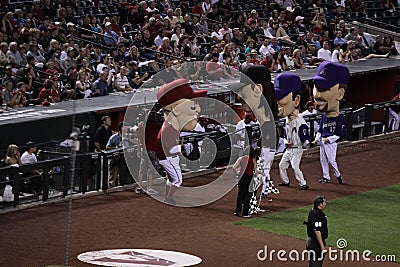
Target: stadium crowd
column 52, row 51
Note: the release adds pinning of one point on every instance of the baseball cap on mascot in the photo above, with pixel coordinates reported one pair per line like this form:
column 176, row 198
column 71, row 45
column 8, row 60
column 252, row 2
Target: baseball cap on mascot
column 330, row 74
column 176, row 90
column 286, row 83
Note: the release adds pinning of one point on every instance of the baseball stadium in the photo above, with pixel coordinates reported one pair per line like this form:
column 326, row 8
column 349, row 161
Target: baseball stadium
column 200, row 133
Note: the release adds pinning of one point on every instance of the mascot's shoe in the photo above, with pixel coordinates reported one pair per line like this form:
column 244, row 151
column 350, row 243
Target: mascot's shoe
column 340, row 179
column 304, row 187
column 246, row 216
column 284, row 184
column 324, row 181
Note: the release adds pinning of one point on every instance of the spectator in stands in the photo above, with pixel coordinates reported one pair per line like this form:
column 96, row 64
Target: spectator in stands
column 165, row 50
column 197, row 9
column 135, row 81
column 20, row 93
column 216, row 70
column 178, row 14
column 94, row 25
column 342, row 27
column 167, row 29
column 206, row 7
column 69, row 63
column 325, row 53
column 111, row 38
column 4, row 58
column 35, row 53
column 379, row 47
column 310, row 110
column 319, row 23
column 102, row 134
column 101, row 85
column 352, row 35
column 8, row 24
column 344, row 53
column 339, row 40
column 29, row 157
column 12, row 155
column 13, row 54
column 122, row 83
column 171, row 18
column 115, row 141
column 335, row 53
column 8, row 96
column 86, row 31
column 151, row 9
column 368, row 40
column 8, row 75
column 301, row 40
column 84, row 85
column 389, row 45
column 45, row 97
column 297, row 60
column 267, row 61
column 177, row 33
column 300, row 26
column 268, row 47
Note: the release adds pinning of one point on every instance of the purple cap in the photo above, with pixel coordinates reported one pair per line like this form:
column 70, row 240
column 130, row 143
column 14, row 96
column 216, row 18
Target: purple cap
column 286, row 83
column 330, row 74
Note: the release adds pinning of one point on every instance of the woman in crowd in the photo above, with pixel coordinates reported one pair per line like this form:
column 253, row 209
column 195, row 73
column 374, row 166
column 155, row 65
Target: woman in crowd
column 178, row 14
column 12, row 155
column 95, row 25
column 168, row 31
column 177, row 33
column 344, row 53
column 297, row 60
column 84, row 85
column 35, row 53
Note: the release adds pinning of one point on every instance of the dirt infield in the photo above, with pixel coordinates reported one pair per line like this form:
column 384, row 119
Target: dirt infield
column 37, row 236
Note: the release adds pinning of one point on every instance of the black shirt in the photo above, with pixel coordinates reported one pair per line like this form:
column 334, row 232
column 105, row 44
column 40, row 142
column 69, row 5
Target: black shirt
column 101, row 136
column 317, row 222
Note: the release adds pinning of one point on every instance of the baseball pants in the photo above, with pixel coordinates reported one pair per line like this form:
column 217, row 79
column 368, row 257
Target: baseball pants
column 327, row 156
column 174, row 173
column 292, row 156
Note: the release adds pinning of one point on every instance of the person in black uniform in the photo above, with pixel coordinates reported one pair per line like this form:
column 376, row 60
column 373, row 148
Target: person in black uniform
column 317, row 231
column 103, row 133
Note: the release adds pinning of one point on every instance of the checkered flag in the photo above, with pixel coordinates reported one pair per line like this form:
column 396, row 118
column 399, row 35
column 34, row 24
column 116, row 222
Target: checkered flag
column 253, row 204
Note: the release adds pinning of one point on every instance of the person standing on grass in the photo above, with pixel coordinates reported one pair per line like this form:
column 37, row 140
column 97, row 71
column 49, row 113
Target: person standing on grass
column 317, row 231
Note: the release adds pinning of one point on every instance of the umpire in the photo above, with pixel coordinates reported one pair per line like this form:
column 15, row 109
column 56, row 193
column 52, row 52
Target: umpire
column 317, row 231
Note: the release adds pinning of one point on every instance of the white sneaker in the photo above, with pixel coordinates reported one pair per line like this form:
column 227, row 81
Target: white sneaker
column 138, row 190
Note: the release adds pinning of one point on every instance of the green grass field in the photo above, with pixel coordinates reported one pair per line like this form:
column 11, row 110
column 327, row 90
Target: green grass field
column 370, row 220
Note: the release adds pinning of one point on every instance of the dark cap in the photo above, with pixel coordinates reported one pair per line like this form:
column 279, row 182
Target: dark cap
column 330, row 74
column 286, row 83
column 30, row 144
column 252, row 73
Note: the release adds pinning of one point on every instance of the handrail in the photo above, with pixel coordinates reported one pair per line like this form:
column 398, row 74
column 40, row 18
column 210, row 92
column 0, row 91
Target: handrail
column 376, row 29
column 94, row 43
column 166, row 54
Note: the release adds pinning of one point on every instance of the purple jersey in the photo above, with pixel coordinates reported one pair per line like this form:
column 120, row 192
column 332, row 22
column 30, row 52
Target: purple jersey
column 332, row 126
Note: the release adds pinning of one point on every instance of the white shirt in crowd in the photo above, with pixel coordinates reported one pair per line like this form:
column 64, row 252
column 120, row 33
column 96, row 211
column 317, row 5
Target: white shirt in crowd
column 27, row 158
column 335, row 56
column 325, row 54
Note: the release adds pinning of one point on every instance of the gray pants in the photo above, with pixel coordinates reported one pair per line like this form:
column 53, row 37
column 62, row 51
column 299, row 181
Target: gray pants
column 315, row 259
